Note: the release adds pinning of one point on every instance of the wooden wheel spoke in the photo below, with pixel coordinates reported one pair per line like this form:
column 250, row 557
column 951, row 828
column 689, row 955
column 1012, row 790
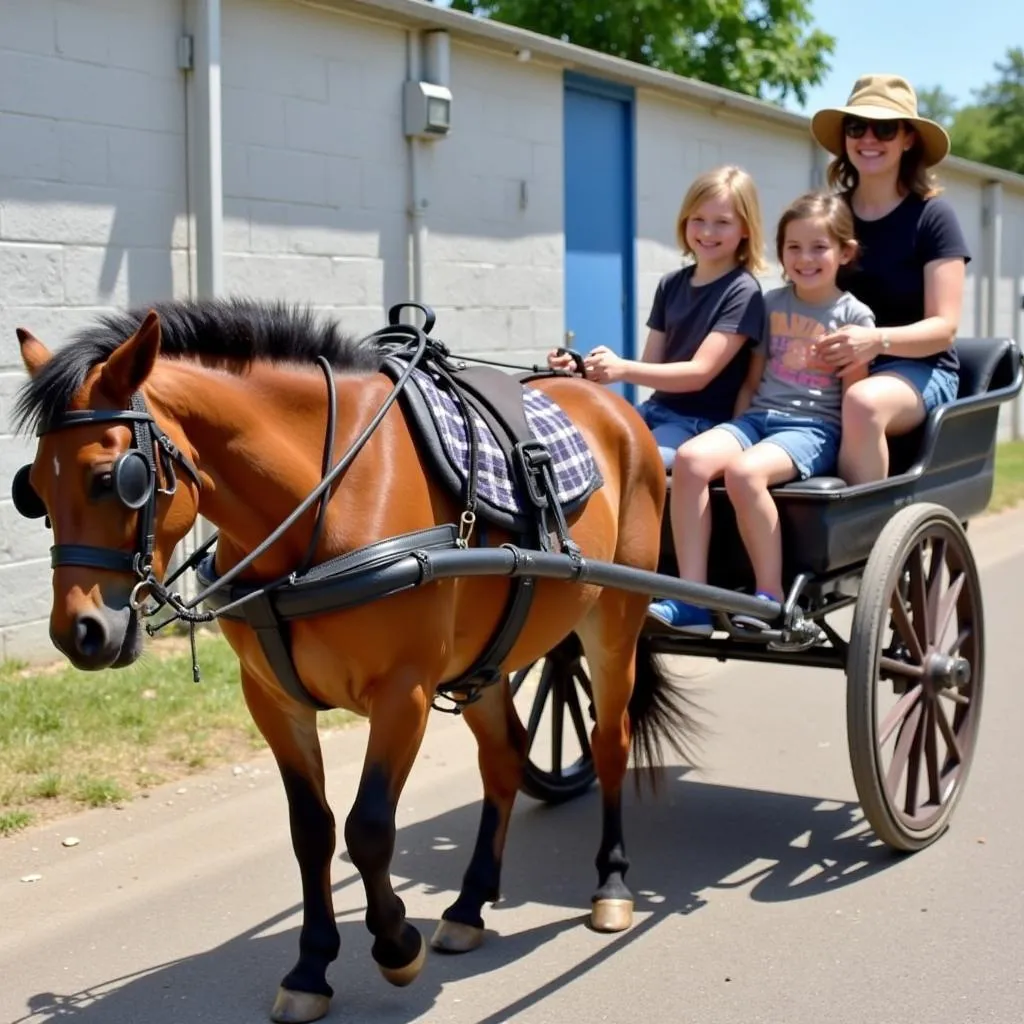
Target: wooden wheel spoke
column 905, row 756
column 518, row 678
column 543, row 691
column 899, row 668
column 931, row 752
column 558, row 698
column 918, row 595
column 898, row 713
column 935, row 567
column 946, row 606
column 954, row 696
column 948, row 735
column 576, row 713
column 961, row 638
column 901, row 622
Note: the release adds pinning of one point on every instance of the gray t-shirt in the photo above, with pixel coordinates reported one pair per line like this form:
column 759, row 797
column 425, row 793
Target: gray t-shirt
column 795, row 379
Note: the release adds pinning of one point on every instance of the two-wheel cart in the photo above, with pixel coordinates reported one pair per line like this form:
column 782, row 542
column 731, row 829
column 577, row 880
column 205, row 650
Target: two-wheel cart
column 895, row 551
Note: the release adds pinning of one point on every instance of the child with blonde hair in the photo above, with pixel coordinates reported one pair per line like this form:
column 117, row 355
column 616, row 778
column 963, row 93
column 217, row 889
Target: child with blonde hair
column 703, row 316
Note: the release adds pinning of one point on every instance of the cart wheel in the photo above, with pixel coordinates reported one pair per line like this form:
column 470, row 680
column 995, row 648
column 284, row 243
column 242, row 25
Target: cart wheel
column 562, row 685
column 915, row 676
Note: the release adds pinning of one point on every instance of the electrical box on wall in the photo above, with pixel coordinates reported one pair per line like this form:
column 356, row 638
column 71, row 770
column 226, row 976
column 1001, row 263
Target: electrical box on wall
column 427, row 110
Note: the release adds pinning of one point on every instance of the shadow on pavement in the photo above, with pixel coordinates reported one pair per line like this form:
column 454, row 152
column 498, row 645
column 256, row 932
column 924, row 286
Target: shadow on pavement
column 691, row 842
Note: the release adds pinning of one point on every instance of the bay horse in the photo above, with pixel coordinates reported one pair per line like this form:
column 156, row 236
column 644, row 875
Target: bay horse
column 232, row 392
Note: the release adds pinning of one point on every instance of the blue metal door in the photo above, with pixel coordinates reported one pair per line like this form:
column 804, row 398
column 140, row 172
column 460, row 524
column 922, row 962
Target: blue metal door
column 599, row 217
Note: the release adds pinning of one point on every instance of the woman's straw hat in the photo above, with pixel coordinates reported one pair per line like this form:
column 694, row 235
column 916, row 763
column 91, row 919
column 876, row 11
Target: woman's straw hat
column 881, row 98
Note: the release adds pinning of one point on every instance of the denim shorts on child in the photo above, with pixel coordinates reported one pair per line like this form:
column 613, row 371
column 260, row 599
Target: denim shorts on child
column 671, row 428
column 935, row 385
column 812, row 443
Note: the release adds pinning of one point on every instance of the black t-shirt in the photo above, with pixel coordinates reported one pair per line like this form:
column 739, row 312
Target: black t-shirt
column 889, row 274
column 687, row 313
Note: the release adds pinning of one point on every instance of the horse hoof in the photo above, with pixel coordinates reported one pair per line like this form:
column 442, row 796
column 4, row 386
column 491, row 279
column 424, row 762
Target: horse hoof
column 402, row 976
column 455, row 937
column 611, row 915
column 298, row 1007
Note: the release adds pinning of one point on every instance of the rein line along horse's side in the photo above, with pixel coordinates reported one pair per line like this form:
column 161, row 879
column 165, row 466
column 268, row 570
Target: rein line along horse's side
column 372, row 583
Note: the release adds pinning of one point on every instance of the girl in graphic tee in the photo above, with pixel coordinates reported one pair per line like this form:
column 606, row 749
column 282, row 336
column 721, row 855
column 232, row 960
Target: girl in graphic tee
column 910, row 272
column 792, row 399
column 702, row 317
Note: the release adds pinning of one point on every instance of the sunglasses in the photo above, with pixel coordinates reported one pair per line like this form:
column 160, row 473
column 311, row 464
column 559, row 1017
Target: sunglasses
column 884, row 131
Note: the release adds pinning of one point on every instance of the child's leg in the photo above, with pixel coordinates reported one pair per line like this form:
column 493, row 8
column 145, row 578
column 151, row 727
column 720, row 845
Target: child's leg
column 697, row 463
column 747, row 480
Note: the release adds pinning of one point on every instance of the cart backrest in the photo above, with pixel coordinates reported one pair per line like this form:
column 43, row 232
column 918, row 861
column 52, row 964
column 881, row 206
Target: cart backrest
column 985, row 363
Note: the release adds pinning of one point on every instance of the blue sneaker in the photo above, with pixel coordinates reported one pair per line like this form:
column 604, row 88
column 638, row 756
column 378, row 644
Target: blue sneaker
column 678, row 615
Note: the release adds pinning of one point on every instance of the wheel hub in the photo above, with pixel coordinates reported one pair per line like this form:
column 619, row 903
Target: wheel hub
column 947, row 672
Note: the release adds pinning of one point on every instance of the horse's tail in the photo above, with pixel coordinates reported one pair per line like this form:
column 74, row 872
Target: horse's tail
column 660, row 711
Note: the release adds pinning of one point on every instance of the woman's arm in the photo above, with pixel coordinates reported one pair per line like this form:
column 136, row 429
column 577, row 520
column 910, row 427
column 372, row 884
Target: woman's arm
column 943, row 302
column 714, row 354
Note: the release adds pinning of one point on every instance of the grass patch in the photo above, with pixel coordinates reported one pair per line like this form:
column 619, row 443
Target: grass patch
column 14, row 821
column 1009, row 483
column 70, row 740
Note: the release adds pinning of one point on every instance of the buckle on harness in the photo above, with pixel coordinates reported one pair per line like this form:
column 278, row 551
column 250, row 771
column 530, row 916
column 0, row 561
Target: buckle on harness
column 466, row 523
column 533, row 458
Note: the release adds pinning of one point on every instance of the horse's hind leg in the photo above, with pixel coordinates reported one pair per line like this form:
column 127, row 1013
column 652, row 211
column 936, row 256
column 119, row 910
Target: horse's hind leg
column 398, row 719
column 501, row 741
column 304, row 994
column 609, row 635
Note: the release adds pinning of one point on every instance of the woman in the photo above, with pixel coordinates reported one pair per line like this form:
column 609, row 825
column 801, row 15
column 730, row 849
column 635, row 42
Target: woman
column 910, row 273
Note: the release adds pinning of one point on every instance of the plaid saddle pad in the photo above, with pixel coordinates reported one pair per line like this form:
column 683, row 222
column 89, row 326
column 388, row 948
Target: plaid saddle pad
column 498, row 492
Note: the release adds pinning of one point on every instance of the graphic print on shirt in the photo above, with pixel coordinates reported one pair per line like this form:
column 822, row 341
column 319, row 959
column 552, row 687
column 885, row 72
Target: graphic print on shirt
column 793, row 350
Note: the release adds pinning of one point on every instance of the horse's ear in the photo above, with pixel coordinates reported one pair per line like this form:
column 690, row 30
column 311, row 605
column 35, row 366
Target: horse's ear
column 34, row 354
column 132, row 361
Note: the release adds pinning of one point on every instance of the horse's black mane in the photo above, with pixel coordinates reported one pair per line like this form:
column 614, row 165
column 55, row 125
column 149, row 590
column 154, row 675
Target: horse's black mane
column 235, row 330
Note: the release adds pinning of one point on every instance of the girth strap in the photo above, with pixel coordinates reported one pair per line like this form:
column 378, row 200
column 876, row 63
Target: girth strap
column 275, row 639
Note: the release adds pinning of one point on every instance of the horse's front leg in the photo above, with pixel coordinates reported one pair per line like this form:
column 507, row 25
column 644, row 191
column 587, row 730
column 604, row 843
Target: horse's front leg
column 501, row 740
column 291, row 733
column 398, row 719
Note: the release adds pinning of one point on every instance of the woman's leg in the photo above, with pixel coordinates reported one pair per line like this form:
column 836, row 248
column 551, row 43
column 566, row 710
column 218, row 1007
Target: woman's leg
column 747, row 480
column 874, row 408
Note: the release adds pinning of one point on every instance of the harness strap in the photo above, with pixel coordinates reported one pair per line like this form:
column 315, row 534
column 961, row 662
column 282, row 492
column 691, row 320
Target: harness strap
column 275, row 639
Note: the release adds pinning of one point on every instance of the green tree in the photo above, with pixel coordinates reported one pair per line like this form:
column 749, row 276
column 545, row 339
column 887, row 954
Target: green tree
column 971, row 134
column 762, row 48
column 1004, row 101
column 937, row 105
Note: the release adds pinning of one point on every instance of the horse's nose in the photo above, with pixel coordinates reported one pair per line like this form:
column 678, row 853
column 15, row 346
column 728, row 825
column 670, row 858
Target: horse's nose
column 91, row 636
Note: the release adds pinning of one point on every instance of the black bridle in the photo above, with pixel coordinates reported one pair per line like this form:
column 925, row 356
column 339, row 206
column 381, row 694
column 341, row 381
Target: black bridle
column 135, row 482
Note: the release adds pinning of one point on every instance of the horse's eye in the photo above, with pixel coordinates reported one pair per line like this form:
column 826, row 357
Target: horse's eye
column 102, row 484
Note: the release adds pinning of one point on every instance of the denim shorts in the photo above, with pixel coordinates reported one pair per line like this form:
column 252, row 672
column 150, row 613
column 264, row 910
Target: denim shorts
column 670, row 428
column 935, row 386
column 812, row 444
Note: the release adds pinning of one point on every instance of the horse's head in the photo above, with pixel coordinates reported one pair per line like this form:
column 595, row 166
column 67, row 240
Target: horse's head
column 104, row 476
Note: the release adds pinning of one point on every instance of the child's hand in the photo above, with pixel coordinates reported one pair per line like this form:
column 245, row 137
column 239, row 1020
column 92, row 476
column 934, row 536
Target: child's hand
column 850, row 346
column 561, row 361
column 604, row 366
